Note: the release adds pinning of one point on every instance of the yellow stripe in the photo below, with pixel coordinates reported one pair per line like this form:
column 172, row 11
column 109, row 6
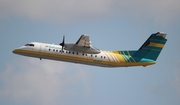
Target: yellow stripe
column 119, row 56
column 61, row 56
column 82, row 59
column 156, row 45
column 115, row 56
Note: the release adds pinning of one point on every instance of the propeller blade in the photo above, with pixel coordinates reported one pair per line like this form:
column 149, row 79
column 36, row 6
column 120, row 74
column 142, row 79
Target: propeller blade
column 63, row 43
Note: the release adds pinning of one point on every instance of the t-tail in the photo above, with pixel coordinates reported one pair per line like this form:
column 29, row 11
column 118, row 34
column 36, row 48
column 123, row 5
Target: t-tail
column 151, row 49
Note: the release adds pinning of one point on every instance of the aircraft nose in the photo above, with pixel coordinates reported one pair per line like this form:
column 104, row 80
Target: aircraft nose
column 15, row 51
column 18, row 50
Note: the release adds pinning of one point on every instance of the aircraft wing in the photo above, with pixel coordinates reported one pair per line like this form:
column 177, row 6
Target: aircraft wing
column 83, row 45
column 84, row 41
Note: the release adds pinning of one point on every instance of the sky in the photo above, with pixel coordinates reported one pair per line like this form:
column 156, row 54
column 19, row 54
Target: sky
column 111, row 25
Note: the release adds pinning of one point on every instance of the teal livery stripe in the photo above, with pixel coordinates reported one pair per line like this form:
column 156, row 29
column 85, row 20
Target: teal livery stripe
column 160, row 41
column 121, row 53
column 153, row 48
column 127, row 56
column 131, row 56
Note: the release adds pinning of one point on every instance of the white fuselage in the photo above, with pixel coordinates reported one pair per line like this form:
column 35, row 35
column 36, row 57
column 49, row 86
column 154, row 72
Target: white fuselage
column 55, row 52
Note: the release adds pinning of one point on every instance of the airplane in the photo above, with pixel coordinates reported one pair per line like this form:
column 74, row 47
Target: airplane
column 83, row 52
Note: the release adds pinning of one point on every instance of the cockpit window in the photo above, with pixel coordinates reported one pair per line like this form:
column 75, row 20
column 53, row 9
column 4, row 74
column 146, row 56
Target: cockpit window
column 29, row 45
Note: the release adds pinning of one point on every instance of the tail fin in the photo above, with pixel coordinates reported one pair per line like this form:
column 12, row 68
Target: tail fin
column 152, row 47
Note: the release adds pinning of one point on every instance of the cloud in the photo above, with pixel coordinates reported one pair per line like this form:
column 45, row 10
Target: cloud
column 64, row 11
column 42, row 82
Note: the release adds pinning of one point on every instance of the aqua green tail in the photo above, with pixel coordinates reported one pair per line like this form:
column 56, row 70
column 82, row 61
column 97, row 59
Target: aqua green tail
column 152, row 47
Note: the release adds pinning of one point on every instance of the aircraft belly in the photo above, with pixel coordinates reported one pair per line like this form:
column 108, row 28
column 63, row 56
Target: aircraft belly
column 111, row 61
column 29, row 53
column 75, row 59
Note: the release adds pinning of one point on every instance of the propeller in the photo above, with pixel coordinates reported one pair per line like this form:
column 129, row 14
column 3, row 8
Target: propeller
column 62, row 44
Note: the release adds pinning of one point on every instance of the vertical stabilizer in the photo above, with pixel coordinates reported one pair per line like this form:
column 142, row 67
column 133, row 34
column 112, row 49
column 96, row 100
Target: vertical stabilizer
column 152, row 47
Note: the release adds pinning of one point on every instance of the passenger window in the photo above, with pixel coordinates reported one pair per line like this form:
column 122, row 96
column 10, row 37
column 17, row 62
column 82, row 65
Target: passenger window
column 56, row 50
column 49, row 49
column 53, row 49
column 95, row 55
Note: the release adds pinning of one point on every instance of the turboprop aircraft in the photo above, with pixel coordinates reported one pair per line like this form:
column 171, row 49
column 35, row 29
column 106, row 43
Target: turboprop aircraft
column 83, row 52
